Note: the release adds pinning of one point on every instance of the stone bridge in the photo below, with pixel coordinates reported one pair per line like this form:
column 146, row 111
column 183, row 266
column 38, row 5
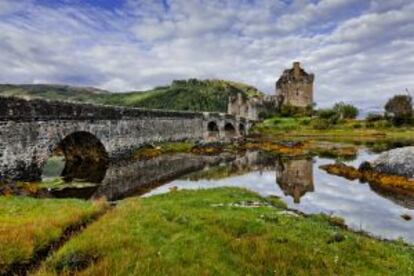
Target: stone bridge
column 91, row 135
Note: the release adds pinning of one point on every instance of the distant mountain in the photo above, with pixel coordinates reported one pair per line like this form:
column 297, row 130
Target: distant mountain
column 193, row 94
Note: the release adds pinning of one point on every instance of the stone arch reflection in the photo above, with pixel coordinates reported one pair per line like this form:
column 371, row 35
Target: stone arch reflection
column 85, row 157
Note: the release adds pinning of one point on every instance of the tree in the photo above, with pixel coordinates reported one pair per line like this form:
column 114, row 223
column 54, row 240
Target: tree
column 400, row 109
column 346, row 111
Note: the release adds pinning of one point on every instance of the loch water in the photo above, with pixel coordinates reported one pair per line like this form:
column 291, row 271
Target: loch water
column 298, row 181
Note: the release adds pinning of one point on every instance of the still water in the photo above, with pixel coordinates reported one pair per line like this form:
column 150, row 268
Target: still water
column 297, row 181
column 303, row 186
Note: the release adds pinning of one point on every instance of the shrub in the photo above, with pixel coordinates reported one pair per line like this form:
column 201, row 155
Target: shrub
column 276, row 122
column 329, row 114
column 382, row 124
column 373, row 117
column 358, row 125
column 305, row 121
column 326, row 113
column 346, row 111
column 320, row 124
column 295, row 111
column 399, row 109
column 369, row 125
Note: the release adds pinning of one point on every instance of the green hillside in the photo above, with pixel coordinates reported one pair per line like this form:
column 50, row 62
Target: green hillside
column 54, row 92
column 193, row 94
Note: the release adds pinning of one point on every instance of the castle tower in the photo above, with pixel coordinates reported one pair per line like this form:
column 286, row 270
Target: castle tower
column 295, row 87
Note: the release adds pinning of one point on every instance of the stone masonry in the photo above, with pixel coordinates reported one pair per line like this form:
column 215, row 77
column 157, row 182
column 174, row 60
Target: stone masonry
column 30, row 131
column 295, row 87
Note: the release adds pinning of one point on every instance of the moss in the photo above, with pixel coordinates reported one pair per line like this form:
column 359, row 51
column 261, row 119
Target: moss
column 205, row 232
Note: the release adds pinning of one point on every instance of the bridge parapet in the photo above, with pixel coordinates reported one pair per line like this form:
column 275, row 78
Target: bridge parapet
column 17, row 109
column 31, row 130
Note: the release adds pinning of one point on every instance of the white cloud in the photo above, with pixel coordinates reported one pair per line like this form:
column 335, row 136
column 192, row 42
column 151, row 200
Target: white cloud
column 360, row 52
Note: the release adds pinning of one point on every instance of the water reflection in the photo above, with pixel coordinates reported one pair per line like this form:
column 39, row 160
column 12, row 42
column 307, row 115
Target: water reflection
column 131, row 178
column 303, row 186
column 295, row 177
column 297, row 181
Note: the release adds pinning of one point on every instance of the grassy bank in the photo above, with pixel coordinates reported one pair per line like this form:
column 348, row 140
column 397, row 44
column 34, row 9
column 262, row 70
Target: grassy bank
column 29, row 225
column 296, row 127
column 224, row 231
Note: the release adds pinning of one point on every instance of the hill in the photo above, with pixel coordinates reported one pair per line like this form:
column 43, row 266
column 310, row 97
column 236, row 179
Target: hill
column 193, row 94
column 53, row 92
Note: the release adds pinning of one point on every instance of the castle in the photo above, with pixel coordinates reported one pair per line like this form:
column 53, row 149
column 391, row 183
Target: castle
column 294, row 89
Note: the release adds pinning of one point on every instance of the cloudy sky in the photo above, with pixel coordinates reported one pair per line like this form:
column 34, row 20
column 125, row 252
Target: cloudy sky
column 362, row 51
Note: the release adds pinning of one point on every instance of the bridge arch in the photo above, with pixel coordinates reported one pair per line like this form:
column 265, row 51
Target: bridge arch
column 213, row 129
column 229, row 130
column 84, row 155
column 242, row 129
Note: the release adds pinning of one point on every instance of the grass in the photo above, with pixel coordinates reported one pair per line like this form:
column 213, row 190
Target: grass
column 345, row 130
column 29, row 225
column 285, row 123
column 211, row 232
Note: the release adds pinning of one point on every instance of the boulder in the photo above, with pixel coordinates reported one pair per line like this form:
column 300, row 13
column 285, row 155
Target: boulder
column 397, row 162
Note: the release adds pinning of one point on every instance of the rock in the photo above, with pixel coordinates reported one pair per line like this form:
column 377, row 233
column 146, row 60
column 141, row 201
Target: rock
column 397, row 162
column 365, row 166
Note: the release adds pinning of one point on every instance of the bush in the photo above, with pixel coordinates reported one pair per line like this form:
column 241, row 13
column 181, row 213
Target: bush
column 356, row 126
column 295, row 111
column 369, row 125
column 326, row 113
column 374, row 117
column 346, row 111
column 382, row 124
column 399, row 109
column 320, row 124
column 276, row 122
column 305, row 121
column 329, row 114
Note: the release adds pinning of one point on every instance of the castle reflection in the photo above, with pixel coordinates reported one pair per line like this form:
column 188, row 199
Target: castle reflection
column 295, row 177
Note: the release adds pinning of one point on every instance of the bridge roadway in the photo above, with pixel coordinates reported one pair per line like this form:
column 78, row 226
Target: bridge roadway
column 33, row 130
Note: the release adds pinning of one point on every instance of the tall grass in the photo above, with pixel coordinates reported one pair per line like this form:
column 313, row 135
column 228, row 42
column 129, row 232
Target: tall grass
column 28, row 225
column 212, row 232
